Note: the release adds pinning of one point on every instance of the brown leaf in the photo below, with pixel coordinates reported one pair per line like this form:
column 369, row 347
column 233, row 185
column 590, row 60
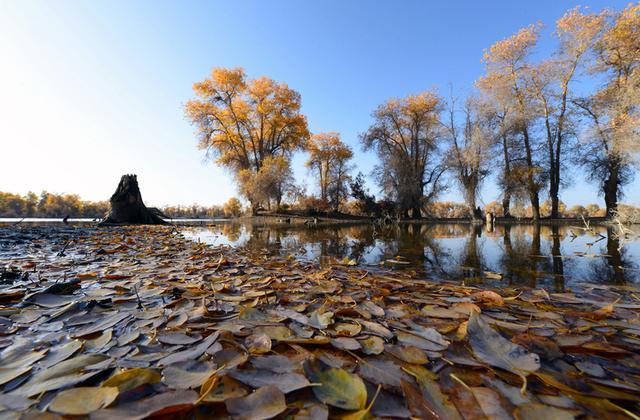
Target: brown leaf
column 264, row 403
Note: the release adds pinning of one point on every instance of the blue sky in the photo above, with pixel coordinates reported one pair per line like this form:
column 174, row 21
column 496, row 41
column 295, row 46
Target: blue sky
column 90, row 90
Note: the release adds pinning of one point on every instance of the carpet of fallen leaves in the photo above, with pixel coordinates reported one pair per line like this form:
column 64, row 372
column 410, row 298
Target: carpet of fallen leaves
column 129, row 323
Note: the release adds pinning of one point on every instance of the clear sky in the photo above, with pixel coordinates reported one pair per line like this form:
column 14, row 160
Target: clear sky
column 90, row 90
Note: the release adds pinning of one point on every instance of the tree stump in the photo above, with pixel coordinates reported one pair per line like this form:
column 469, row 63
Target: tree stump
column 127, row 207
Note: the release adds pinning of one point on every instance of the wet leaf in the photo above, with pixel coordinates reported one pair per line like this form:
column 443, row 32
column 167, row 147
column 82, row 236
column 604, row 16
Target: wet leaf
column 258, row 343
column 62, row 375
column 432, row 398
column 533, row 411
column 381, row 372
column 277, row 363
column 488, row 296
column 8, row 374
column 345, row 343
column 173, row 337
column 419, row 342
column 162, row 404
column 338, row 388
column 372, row 345
column 286, row 382
column 492, row 348
column 490, row 403
column 224, row 389
column 190, row 376
column 83, row 400
column 189, row 354
column 132, row 378
column 320, row 320
column 264, row 403
column 409, row 354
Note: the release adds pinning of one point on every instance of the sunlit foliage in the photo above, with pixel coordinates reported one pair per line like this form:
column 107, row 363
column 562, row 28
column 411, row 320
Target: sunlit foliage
column 329, row 159
column 406, row 134
column 243, row 123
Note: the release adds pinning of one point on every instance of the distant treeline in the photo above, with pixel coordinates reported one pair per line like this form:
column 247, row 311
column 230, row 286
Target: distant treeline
column 61, row 205
column 49, row 205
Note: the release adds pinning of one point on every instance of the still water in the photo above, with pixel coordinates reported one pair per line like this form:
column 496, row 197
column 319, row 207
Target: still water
column 555, row 257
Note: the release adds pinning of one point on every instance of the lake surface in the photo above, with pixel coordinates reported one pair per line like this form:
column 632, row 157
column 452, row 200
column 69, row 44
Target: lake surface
column 553, row 257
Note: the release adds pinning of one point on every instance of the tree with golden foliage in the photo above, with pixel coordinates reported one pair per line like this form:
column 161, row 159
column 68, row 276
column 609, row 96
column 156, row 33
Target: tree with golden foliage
column 232, row 208
column 611, row 144
column 243, row 122
column 508, row 80
column 468, row 155
column 406, row 134
column 269, row 184
column 329, row 157
column 551, row 85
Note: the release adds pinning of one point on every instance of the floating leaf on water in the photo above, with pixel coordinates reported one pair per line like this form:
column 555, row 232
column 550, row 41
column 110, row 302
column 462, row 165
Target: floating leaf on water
column 82, row 400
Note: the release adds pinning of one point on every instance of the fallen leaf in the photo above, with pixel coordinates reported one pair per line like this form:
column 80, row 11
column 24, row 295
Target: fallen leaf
column 264, row 403
column 161, row 404
column 286, row 382
column 338, row 388
column 83, row 400
column 492, row 348
column 258, row 343
column 132, row 378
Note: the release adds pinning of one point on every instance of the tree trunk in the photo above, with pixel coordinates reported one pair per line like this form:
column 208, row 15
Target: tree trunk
column 506, row 205
column 127, row 207
column 535, row 205
column 611, row 190
column 416, row 212
column 531, row 184
column 506, row 200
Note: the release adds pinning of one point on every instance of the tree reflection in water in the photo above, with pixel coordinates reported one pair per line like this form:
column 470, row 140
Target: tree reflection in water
column 552, row 256
column 618, row 266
